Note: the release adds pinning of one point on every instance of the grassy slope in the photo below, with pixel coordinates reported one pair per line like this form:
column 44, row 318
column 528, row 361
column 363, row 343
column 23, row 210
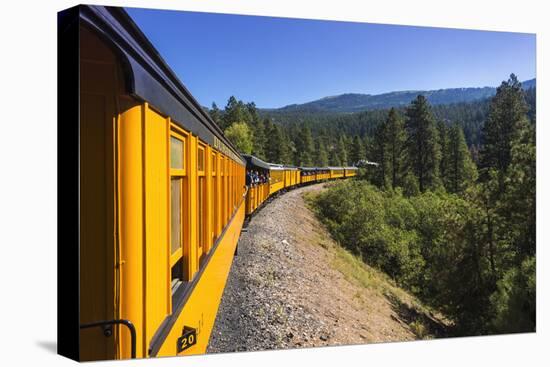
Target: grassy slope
column 423, row 322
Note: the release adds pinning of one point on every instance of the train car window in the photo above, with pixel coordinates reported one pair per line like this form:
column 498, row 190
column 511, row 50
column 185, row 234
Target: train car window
column 222, row 192
column 228, row 192
column 201, row 220
column 226, row 188
column 215, row 209
column 177, row 209
column 200, row 159
column 175, row 199
column 234, row 186
column 235, row 183
column 176, row 153
column 201, row 215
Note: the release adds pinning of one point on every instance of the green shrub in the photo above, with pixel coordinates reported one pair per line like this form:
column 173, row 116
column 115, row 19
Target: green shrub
column 514, row 301
column 427, row 243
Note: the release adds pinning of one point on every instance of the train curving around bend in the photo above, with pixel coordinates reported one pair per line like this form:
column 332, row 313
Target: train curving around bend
column 163, row 198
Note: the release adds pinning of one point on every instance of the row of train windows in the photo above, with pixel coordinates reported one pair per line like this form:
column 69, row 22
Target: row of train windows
column 222, row 205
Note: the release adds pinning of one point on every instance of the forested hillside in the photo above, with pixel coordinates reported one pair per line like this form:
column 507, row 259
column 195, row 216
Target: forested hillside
column 328, row 138
column 461, row 236
column 449, row 213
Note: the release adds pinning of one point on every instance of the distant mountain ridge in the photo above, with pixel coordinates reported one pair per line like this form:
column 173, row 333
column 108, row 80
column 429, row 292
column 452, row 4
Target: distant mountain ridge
column 354, row 102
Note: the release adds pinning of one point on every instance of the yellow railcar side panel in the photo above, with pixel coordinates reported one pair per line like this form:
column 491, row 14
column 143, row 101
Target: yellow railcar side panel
column 223, row 192
column 218, row 193
column 192, row 229
column 157, row 260
column 276, row 187
column 131, row 229
column 201, row 308
column 277, row 181
column 336, row 173
column 209, row 215
column 100, row 86
column 96, row 220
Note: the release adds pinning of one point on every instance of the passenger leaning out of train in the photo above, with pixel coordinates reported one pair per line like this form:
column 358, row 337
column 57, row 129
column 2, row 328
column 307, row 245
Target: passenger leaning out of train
column 248, row 179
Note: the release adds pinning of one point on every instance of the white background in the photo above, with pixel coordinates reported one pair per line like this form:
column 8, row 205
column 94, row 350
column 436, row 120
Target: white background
column 28, row 181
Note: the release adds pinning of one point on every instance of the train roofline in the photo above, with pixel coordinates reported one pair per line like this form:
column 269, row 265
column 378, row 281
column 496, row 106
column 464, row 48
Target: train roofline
column 255, row 161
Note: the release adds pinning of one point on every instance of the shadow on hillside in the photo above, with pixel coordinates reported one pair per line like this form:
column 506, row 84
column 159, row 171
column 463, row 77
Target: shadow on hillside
column 422, row 323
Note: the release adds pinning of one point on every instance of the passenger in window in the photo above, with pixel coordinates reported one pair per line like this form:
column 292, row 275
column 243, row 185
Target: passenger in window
column 248, row 181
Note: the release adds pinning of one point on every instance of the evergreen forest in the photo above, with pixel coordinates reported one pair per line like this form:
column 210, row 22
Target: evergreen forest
column 449, row 212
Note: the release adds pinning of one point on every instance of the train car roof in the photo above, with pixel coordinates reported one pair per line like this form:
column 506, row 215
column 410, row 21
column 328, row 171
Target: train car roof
column 255, row 162
column 276, row 167
column 148, row 76
column 335, row 168
column 351, row 167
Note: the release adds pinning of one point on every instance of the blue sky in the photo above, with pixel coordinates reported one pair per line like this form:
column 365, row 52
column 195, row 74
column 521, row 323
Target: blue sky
column 277, row 61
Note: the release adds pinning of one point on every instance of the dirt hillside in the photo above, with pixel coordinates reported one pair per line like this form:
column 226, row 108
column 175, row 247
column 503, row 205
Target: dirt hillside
column 292, row 286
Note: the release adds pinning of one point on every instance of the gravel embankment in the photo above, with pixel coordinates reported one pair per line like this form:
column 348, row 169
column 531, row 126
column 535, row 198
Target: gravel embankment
column 282, row 291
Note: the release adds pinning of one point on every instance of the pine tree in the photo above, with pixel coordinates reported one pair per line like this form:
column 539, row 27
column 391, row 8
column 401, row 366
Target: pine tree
column 276, row 148
column 381, row 176
column 514, row 301
column 506, row 117
column 231, row 113
column 258, row 146
column 460, row 171
column 395, row 138
column 252, row 111
column 287, row 148
column 334, row 158
column 368, row 142
column 235, row 111
column 518, row 202
column 321, row 154
column 423, row 151
column 348, row 143
column 304, row 147
column 341, row 150
column 513, row 236
column 216, row 114
column 531, row 100
column 443, row 140
column 268, row 131
column 357, row 151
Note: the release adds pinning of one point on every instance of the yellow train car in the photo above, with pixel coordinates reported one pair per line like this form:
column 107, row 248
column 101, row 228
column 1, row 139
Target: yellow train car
column 276, row 178
column 336, row 172
column 291, row 176
column 350, row 172
column 162, row 199
column 258, row 192
column 323, row 174
column 308, row 175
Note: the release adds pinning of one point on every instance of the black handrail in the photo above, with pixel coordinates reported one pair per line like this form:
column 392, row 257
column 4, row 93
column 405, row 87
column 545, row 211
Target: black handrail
column 127, row 323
